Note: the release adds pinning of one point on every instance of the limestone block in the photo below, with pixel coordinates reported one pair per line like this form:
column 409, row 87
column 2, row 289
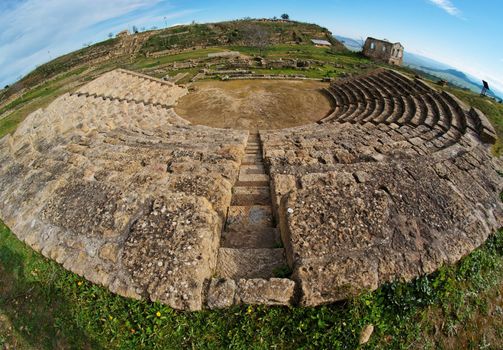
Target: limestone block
column 275, row 291
column 221, row 293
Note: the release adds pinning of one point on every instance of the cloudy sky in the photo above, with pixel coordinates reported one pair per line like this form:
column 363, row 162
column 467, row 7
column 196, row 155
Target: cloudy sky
column 463, row 33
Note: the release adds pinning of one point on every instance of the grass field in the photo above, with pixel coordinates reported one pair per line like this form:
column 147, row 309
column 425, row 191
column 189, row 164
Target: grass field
column 43, row 306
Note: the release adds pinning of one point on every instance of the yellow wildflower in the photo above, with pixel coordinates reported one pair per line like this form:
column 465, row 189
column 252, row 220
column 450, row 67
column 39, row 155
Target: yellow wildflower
column 158, row 314
column 79, row 283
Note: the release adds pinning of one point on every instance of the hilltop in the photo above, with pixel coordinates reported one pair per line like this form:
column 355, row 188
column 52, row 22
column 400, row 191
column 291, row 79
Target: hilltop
column 126, row 48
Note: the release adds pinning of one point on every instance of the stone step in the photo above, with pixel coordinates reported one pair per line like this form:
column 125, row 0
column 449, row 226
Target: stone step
column 245, row 177
column 253, row 169
column 253, row 138
column 249, row 263
column 252, row 183
column 252, row 159
column 251, row 195
column 253, row 151
column 250, row 237
column 239, row 217
column 254, row 162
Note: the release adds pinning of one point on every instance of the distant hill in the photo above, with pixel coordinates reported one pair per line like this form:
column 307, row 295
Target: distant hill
column 447, row 73
column 433, row 68
column 412, row 59
column 351, row 44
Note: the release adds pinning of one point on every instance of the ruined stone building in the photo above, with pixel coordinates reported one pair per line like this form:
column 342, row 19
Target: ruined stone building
column 383, row 50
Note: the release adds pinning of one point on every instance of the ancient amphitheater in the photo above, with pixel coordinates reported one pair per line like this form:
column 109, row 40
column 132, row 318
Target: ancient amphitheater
column 110, row 182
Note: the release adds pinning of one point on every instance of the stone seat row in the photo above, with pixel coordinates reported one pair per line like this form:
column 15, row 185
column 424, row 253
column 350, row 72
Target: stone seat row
column 132, row 86
column 74, row 113
column 356, row 226
column 336, row 143
column 382, row 83
column 86, row 181
column 428, row 108
column 394, row 185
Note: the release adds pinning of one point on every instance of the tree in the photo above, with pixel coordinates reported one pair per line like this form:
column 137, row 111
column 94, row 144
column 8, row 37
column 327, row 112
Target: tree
column 135, row 29
column 285, row 16
column 257, row 36
column 110, row 35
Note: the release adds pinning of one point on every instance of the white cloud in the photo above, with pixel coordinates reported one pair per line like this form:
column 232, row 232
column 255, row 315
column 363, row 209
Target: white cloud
column 447, row 6
column 33, row 28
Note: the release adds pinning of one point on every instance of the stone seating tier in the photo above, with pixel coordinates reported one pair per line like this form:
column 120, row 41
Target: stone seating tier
column 111, row 183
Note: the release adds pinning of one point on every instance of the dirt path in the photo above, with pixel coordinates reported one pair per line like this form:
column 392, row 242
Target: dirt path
column 255, row 104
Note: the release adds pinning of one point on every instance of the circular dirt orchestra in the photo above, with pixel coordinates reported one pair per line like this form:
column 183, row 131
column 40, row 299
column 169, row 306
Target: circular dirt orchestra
column 255, row 104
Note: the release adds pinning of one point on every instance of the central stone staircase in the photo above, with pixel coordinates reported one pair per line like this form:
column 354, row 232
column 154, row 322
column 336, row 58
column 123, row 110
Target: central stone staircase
column 251, row 245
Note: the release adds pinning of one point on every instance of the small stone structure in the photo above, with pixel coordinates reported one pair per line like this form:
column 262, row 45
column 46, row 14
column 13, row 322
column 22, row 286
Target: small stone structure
column 225, row 54
column 321, row 43
column 383, row 50
column 112, row 184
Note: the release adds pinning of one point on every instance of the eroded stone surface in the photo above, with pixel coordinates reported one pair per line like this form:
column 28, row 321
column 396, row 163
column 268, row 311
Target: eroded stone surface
column 172, row 248
column 221, row 293
column 123, row 192
column 395, row 183
column 275, row 291
column 113, row 185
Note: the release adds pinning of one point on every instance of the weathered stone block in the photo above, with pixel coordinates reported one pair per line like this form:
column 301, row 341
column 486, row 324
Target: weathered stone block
column 221, row 293
column 275, row 291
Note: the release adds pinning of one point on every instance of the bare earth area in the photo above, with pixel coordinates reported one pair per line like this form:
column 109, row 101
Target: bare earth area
column 255, row 104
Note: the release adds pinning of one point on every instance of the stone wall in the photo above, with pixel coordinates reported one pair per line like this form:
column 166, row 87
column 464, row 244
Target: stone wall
column 384, row 51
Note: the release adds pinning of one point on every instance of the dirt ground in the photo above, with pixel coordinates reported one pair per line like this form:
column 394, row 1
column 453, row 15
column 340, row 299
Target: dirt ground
column 255, row 104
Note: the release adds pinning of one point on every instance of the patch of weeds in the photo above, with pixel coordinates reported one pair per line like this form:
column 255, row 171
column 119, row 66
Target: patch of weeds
column 282, row 272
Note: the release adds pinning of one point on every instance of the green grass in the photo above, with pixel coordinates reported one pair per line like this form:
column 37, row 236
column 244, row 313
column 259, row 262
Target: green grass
column 41, row 91
column 302, row 52
column 33, row 99
column 48, row 307
column 492, row 109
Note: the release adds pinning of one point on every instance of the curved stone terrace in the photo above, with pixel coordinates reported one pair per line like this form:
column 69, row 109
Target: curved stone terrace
column 111, row 183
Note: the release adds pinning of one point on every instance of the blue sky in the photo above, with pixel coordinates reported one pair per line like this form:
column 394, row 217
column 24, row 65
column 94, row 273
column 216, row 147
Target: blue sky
column 466, row 34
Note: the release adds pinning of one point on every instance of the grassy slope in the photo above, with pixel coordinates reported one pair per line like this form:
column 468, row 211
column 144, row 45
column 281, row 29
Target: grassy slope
column 35, row 99
column 492, row 109
column 235, row 33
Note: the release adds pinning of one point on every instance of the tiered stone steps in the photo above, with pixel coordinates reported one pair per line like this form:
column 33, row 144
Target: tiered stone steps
column 250, row 245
